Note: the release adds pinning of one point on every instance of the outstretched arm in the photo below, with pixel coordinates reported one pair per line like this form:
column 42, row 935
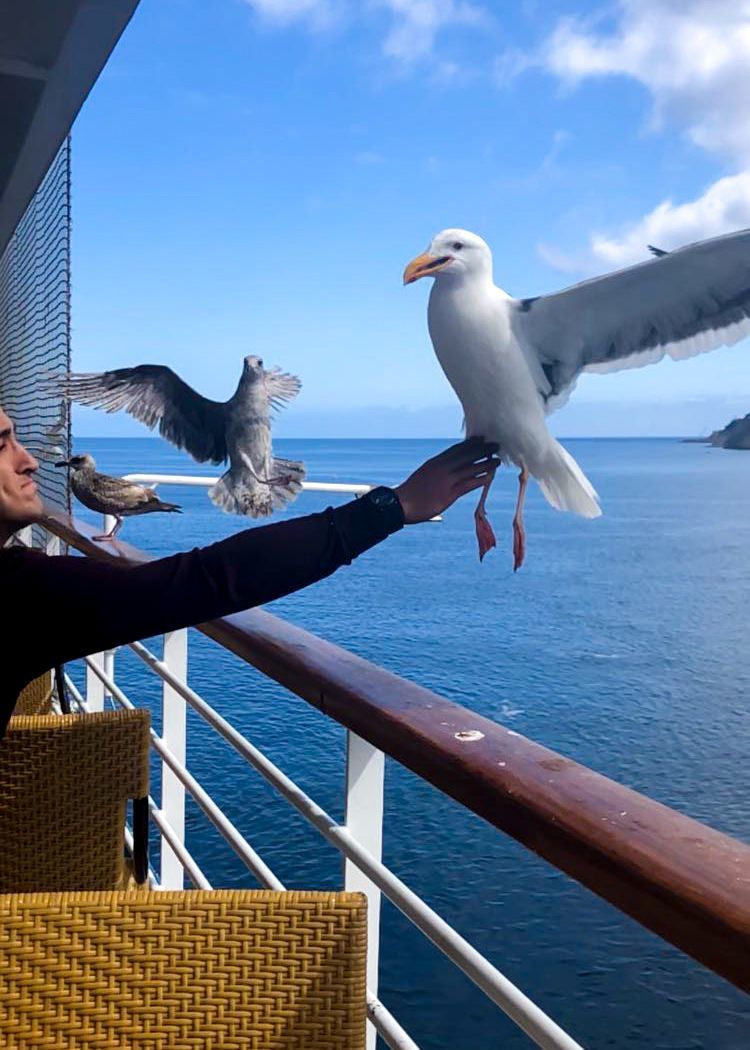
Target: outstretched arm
column 97, row 605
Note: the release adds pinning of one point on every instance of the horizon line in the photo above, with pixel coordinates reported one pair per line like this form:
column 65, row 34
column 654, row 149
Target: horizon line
column 697, row 438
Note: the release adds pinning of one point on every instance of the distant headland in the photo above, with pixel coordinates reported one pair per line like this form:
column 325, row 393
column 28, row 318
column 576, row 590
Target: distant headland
column 735, row 435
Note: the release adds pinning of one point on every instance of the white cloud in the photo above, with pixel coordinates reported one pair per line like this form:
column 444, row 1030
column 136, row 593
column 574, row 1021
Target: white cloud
column 411, row 35
column 510, row 63
column 416, row 24
column 315, row 13
column 693, row 57
column 723, row 207
column 561, row 260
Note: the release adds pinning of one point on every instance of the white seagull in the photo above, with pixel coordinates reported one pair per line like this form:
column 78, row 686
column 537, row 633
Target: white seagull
column 513, row 361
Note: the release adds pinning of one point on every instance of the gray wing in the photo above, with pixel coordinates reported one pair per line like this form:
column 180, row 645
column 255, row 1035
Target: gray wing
column 683, row 303
column 117, row 490
column 281, row 386
column 156, row 395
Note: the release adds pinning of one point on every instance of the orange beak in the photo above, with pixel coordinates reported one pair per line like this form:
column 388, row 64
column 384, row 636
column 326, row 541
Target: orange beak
column 425, row 265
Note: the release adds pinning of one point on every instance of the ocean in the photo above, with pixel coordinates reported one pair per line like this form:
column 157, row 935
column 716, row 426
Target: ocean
column 622, row 643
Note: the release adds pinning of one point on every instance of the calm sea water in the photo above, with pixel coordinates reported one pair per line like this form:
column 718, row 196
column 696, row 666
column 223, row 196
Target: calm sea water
column 622, row 643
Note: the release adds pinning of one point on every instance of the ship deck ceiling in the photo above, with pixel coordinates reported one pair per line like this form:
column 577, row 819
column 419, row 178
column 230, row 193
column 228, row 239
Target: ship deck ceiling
column 50, row 57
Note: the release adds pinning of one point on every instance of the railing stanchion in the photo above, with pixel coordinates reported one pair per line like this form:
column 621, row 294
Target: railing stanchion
column 365, row 767
column 172, row 875
column 52, row 544
column 25, row 536
column 94, row 685
column 108, row 666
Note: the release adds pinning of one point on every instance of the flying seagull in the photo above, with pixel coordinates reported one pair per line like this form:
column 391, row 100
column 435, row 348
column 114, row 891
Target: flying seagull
column 513, row 361
column 108, row 495
column 239, row 429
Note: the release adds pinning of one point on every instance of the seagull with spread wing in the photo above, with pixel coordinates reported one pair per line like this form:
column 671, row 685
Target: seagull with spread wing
column 513, row 361
column 238, row 430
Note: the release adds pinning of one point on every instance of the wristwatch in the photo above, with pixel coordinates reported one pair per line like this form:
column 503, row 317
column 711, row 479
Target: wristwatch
column 387, row 504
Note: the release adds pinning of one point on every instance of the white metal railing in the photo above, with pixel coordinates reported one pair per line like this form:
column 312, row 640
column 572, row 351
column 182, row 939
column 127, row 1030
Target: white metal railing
column 202, row 481
column 372, row 875
column 358, row 839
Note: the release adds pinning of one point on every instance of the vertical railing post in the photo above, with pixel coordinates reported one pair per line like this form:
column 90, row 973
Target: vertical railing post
column 365, row 767
column 52, row 544
column 108, row 666
column 174, row 721
column 94, row 684
column 25, row 535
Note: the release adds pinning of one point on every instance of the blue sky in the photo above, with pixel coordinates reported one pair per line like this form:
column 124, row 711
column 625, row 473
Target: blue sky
column 251, row 176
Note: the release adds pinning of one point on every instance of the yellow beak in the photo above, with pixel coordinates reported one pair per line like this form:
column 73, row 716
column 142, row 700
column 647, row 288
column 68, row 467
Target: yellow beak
column 424, row 266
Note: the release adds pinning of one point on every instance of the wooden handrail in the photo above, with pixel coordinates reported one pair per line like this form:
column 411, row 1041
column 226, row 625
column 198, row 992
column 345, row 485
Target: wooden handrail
column 685, row 881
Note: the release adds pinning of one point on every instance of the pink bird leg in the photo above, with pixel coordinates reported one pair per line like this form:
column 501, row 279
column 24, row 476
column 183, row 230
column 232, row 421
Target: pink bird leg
column 485, row 535
column 113, row 531
column 519, row 533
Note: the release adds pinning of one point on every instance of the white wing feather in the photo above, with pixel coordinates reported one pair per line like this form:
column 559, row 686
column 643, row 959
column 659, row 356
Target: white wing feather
column 684, row 303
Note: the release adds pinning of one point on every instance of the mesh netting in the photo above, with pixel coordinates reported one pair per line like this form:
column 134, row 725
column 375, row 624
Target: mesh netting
column 35, row 326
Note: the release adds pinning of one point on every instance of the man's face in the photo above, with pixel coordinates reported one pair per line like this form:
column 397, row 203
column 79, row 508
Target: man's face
column 20, row 502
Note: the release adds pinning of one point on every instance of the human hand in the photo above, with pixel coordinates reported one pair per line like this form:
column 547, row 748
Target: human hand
column 440, row 481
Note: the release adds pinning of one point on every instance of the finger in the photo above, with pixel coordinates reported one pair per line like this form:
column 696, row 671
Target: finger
column 485, row 468
column 471, row 453
column 467, row 444
column 468, row 485
column 489, row 460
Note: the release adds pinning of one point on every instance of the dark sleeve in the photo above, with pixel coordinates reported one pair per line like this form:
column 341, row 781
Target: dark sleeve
column 98, row 605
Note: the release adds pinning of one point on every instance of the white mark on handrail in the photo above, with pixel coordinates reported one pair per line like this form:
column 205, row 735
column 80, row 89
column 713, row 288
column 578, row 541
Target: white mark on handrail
column 468, row 734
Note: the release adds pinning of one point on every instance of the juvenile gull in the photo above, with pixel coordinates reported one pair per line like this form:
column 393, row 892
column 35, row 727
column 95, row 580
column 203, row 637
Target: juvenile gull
column 108, row 495
column 239, row 429
column 512, row 361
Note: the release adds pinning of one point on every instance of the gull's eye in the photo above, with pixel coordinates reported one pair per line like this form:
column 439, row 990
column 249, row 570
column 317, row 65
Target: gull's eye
column 457, row 246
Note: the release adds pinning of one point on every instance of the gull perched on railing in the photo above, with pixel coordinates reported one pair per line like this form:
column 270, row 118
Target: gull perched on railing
column 512, row 361
column 109, row 495
column 239, row 429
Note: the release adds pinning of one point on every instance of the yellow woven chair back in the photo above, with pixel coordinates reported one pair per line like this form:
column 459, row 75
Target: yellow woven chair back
column 64, row 786
column 189, row 970
column 36, row 698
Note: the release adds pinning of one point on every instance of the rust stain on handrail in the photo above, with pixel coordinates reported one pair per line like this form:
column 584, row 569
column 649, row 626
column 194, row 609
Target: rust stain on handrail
column 683, row 880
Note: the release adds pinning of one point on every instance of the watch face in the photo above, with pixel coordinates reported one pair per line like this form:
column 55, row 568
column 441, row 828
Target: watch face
column 382, row 497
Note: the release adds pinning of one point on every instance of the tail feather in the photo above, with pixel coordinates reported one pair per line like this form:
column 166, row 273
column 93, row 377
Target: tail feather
column 290, row 474
column 153, row 503
column 240, row 491
column 565, row 485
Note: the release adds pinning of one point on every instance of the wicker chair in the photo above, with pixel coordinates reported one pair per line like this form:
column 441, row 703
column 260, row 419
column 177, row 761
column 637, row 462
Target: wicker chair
column 36, row 698
column 194, row 970
column 64, row 785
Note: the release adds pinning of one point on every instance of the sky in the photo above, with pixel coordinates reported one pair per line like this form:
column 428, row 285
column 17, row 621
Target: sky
column 252, row 176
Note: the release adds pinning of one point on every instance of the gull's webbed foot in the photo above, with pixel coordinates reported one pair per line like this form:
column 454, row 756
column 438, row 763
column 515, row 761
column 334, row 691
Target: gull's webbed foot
column 485, row 535
column 519, row 533
column 519, row 544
